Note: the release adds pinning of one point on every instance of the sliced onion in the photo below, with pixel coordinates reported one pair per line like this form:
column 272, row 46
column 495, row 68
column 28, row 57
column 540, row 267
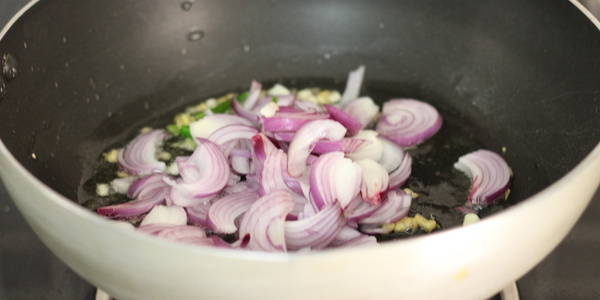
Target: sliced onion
column 308, row 106
column 289, row 109
column 290, row 121
column 147, row 191
column 240, row 164
column 231, row 133
column 350, row 237
column 223, row 213
column 139, row 157
column 234, row 179
column 352, row 124
column 334, row 178
column 395, row 207
column 204, row 174
column 206, row 126
column 198, row 214
column 245, row 110
column 284, row 136
column 392, row 155
column 169, row 215
column 272, row 175
column 262, row 103
column 254, row 94
column 250, row 184
column 316, row 231
column 306, row 138
column 240, row 158
column 359, row 209
column 364, row 110
column 489, row 173
column 249, row 115
column 375, row 180
column 178, row 233
column 262, row 146
column 372, row 147
column 399, row 176
column 299, row 185
column 285, row 100
column 353, row 84
column 311, row 159
column 346, row 145
column 374, row 229
column 241, row 152
column 408, row 122
column 263, row 225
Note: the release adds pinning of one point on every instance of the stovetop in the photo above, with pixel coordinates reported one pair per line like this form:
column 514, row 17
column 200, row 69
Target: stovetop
column 28, row 270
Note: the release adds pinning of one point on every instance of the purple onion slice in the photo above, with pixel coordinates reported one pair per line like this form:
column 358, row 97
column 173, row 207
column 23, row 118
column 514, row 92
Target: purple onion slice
column 334, row 178
column 408, row 122
column 351, row 123
column 316, row 231
column 139, row 156
column 490, row 176
column 375, row 180
column 203, row 174
column 147, row 191
column 350, row 237
column 223, row 212
column 178, row 233
column 395, row 207
column 263, row 225
column 306, row 138
column 353, row 85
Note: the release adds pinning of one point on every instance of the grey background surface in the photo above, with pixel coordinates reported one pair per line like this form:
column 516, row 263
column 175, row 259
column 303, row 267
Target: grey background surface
column 29, row 271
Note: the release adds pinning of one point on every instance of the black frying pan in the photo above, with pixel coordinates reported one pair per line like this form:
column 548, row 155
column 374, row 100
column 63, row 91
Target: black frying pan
column 90, row 74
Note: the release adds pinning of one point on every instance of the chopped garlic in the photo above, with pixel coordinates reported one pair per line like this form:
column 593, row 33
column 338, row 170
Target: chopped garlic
column 102, row 189
column 121, row 185
column 411, row 193
column 172, row 169
column 506, row 194
column 226, row 97
column 145, row 129
column 164, row 156
column 278, row 90
column 335, row 97
column 387, row 228
column 328, row 97
column 194, row 109
column 33, row 155
column 187, row 144
column 269, row 110
column 470, row 218
column 307, row 95
column 111, row 156
column 170, row 215
column 122, row 174
column 425, row 224
column 504, row 149
column 183, row 119
column 211, row 103
column 407, row 224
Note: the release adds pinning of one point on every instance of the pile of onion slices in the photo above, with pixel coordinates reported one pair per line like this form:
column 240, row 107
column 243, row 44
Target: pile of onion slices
column 279, row 173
